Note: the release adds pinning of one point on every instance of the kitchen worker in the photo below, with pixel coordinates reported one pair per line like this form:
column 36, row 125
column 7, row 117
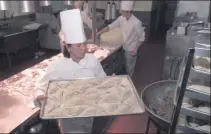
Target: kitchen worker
column 75, row 64
column 86, row 20
column 132, row 31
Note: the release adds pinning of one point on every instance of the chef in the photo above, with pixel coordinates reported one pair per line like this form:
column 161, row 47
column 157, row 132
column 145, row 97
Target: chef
column 132, row 31
column 86, row 20
column 75, row 64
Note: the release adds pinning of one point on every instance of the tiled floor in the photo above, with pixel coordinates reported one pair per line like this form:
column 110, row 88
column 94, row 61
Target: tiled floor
column 148, row 70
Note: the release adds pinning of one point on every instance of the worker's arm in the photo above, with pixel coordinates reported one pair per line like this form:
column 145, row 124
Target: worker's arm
column 99, row 70
column 88, row 21
column 113, row 25
column 141, row 37
column 42, row 83
column 97, row 67
column 106, row 29
column 140, row 33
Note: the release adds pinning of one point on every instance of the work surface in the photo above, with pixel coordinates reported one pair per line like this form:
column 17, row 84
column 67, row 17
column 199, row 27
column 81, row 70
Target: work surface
column 16, row 94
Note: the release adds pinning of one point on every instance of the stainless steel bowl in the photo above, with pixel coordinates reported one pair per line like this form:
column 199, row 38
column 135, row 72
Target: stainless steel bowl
column 155, row 94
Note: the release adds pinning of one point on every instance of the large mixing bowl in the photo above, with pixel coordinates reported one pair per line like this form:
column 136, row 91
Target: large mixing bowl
column 156, row 96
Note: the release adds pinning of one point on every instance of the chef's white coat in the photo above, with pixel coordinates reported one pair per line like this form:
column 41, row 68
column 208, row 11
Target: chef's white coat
column 132, row 31
column 66, row 68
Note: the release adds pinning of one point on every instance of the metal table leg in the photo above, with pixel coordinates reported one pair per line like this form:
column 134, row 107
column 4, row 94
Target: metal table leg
column 36, row 46
column 8, row 56
column 148, row 125
column 158, row 131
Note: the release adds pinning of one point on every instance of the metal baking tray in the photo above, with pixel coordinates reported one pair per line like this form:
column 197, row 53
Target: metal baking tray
column 198, row 77
column 190, row 130
column 203, row 62
column 195, row 113
column 196, row 94
column 203, row 52
column 203, row 42
column 184, row 126
column 134, row 93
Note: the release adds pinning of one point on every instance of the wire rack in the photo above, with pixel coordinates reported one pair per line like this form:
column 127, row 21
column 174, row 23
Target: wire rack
column 192, row 98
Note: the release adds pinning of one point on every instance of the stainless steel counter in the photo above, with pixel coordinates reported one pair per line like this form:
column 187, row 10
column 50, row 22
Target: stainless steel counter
column 12, row 31
column 21, row 87
column 177, row 45
column 17, row 38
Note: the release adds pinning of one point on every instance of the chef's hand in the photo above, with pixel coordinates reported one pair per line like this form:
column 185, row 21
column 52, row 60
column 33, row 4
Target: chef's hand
column 106, row 29
column 41, row 97
column 38, row 100
column 134, row 52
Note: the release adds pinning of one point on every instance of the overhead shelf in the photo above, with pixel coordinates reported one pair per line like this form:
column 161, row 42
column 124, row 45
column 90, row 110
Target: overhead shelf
column 194, row 112
column 190, row 130
column 198, row 77
column 197, row 94
column 194, row 84
column 203, row 52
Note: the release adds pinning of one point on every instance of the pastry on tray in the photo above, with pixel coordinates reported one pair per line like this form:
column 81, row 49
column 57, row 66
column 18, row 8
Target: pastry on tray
column 202, row 63
column 112, row 95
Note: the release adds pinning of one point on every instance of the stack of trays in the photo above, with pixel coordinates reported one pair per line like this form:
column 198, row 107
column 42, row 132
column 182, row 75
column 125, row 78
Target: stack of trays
column 196, row 106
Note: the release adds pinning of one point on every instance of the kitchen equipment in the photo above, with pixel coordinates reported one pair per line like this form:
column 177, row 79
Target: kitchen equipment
column 108, row 11
column 113, row 11
column 194, row 84
column 68, row 2
column 27, row 6
column 4, row 5
column 93, row 97
column 45, row 3
column 181, row 29
column 158, row 101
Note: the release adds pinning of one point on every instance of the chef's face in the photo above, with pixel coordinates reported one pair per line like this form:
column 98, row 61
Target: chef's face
column 77, row 50
column 125, row 14
column 78, row 5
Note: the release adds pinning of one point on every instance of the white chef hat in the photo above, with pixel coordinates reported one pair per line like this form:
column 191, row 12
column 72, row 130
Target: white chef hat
column 72, row 26
column 127, row 5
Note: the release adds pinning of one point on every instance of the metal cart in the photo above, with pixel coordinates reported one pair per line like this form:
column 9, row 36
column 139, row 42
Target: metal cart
column 190, row 76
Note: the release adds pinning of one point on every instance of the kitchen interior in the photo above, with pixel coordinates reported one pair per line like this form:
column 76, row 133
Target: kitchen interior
column 172, row 73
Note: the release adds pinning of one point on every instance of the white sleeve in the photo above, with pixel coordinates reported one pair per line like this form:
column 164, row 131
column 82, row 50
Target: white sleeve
column 115, row 24
column 41, row 86
column 86, row 19
column 89, row 22
column 42, row 83
column 140, row 32
column 98, row 69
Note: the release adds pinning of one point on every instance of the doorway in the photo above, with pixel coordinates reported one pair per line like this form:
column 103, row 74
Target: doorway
column 166, row 15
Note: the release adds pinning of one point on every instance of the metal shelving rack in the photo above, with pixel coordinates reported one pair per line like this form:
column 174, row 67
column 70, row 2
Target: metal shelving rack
column 189, row 75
